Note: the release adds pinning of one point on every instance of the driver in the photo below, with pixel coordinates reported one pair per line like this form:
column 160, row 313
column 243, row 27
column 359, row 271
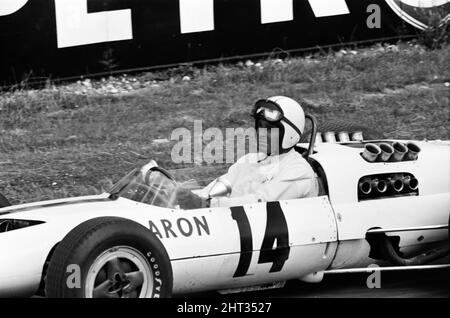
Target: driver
column 277, row 171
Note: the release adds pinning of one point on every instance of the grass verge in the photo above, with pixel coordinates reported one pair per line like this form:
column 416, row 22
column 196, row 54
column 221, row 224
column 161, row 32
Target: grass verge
column 77, row 139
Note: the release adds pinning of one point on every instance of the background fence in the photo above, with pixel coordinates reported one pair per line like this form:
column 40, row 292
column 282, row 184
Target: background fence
column 69, row 38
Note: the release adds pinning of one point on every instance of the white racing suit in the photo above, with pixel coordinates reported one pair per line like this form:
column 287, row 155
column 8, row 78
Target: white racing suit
column 282, row 177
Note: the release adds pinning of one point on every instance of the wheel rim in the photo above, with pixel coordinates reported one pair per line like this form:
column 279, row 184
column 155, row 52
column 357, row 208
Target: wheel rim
column 120, row 272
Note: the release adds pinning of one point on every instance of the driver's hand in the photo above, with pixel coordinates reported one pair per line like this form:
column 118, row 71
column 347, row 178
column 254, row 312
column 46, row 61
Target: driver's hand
column 215, row 202
column 188, row 200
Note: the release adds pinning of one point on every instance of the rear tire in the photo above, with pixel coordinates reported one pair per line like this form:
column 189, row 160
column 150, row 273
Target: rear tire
column 4, row 202
column 109, row 257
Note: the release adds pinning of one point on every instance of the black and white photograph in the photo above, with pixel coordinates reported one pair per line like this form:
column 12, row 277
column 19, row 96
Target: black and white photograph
column 226, row 154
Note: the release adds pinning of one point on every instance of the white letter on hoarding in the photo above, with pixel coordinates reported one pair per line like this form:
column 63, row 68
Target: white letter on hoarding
column 327, row 8
column 196, row 15
column 75, row 26
column 8, row 7
column 276, row 11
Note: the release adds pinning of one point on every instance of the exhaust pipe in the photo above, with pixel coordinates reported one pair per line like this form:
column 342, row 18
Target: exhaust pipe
column 397, row 183
column 357, row 136
column 412, row 183
column 386, row 152
column 329, row 136
column 343, row 136
column 413, row 151
column 365, row 186
column 391, row 253
column 400, row 151
column 371, row 152
column 380, row 185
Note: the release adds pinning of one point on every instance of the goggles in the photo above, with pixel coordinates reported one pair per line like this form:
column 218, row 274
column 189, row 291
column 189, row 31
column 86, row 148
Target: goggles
column 271, row 112
column 267, row 110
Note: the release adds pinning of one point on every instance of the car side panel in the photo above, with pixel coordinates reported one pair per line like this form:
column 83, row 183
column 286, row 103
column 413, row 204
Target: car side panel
column 344, row 166
column 355, row 219
column 311, row 230
column 197, row 239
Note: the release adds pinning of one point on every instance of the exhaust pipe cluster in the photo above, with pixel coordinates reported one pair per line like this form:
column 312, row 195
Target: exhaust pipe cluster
column 385, row 152
column 342, row 136
column 372, row 187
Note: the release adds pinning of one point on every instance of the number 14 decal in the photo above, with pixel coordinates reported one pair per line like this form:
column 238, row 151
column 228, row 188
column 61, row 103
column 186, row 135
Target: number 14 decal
column 276, row 229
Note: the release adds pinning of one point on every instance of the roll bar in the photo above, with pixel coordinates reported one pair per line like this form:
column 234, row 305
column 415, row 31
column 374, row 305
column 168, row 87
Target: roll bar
column 312, row 140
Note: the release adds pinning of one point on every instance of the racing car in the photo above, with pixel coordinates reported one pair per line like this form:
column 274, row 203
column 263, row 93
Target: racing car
column 381, row 201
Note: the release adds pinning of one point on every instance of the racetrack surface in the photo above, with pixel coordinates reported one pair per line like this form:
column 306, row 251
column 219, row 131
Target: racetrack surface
column 408, row 284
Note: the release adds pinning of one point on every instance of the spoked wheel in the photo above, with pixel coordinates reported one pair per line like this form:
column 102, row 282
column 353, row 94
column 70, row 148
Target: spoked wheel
column 120, row 272
column 109, row 257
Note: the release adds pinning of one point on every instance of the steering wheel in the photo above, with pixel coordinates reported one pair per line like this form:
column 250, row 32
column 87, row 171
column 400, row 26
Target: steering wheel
column 164, row 172
column 312, row 139
column 159, row 191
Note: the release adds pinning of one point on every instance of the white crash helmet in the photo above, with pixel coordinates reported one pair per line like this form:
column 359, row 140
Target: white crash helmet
column 288, row 113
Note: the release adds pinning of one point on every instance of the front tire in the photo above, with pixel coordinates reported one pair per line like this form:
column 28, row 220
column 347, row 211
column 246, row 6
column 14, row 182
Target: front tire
column 109, row 257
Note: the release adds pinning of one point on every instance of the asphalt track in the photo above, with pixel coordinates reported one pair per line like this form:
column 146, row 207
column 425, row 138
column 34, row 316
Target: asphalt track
column 430, row 283
column 408, row 284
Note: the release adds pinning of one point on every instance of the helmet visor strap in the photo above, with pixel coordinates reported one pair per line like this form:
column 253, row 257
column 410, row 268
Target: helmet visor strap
column 293, row 126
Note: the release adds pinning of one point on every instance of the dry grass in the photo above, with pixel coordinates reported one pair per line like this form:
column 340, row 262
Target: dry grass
column 58, row 142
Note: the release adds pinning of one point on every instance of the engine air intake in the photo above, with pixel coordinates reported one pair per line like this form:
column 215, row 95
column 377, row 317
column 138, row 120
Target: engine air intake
column 339, row 136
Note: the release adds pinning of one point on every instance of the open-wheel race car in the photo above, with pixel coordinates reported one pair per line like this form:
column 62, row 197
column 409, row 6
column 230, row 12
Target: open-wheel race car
column 384, row 202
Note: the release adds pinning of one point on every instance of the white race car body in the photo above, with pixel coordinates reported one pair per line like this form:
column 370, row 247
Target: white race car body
column 223, row 248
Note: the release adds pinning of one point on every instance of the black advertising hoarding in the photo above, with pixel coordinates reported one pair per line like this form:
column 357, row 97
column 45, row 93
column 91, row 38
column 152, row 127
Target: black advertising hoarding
column 69, row 38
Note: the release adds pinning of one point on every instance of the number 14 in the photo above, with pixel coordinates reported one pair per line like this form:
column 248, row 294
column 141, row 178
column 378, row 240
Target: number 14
column 276, row 229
